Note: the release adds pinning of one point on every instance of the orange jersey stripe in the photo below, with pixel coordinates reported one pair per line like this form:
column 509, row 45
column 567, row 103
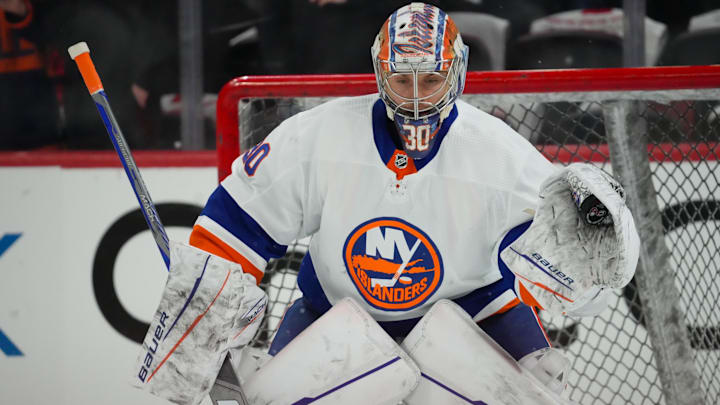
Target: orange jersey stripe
column 203, row 239
column 192, row 326
column 510, row 305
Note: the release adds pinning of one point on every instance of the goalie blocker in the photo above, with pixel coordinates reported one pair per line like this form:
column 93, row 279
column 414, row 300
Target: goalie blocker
column 564, row 263
column 209, row 306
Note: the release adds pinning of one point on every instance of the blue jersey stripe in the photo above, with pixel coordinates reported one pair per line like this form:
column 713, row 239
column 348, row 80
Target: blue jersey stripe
column 308, row 283
column 509, row 238
column 381, row 132
column 222, row 209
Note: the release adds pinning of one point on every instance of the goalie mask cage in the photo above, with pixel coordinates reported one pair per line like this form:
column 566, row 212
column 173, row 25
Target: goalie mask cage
column 656, row 129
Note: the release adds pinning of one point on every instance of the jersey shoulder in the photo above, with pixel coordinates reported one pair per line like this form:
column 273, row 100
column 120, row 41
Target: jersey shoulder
column 328, row 129
column 339, row 113
column 355, row 107
column 475, row 126
column 483, row 144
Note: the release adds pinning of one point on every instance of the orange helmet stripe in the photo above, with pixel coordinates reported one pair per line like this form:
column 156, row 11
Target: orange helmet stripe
column 385, row 41
column 449, row 39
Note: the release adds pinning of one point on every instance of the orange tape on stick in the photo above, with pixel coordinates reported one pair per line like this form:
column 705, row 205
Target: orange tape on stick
column 81, row 55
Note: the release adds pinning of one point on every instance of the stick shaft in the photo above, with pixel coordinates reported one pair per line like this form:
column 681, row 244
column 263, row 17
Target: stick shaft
column 80, row 53
column 133, row 174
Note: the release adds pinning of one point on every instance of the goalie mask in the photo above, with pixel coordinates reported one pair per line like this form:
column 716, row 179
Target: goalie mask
column 420, row 63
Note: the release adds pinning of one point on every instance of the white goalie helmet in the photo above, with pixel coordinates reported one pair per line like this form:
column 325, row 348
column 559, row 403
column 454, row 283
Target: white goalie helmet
column 420, row 63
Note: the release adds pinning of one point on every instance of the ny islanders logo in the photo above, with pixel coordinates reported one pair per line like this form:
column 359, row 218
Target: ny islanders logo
column 394, row 265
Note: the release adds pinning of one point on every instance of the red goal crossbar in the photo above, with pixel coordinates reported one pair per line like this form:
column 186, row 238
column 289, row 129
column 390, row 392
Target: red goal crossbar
column 495, row 82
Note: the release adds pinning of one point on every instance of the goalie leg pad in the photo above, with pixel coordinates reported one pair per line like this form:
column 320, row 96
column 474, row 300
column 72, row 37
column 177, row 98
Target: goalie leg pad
column 460, row 364
column 208, row 306
column 549, row 366
column 342, row 358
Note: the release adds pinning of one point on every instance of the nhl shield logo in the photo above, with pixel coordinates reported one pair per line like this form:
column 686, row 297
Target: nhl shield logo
column 394, row 265
column 401, row 160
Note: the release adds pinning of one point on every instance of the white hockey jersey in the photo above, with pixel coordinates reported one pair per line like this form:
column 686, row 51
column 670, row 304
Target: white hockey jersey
column 394, row 234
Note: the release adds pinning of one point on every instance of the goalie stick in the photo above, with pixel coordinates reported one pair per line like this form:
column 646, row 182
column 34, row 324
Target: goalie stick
column 226, row 388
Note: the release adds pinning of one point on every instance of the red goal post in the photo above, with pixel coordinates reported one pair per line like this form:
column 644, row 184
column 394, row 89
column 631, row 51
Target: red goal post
column 657, row 129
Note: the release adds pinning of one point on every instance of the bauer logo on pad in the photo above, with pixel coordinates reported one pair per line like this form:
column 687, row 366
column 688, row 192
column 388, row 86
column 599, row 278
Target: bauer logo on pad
column 394, row 265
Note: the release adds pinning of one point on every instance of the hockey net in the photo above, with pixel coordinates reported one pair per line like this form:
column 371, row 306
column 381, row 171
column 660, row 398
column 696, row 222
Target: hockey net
column 657, row 129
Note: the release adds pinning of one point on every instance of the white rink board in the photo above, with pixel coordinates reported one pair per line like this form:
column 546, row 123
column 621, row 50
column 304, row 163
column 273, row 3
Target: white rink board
column 48, row 310
column 70, row 353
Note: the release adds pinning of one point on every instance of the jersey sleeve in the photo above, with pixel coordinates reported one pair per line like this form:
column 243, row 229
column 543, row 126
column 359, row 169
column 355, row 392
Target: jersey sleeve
column 524, row 198
column 521, row 205
column 258, row 209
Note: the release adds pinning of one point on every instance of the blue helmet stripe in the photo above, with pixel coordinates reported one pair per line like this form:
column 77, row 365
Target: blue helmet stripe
column 440, row 37
column 391, row 41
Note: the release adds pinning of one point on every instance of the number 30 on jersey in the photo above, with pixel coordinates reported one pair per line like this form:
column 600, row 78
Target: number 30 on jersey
column 254, row 157
column 417, row 137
